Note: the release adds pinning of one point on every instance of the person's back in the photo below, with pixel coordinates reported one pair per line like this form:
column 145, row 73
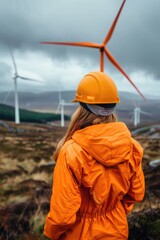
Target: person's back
column 97, row 179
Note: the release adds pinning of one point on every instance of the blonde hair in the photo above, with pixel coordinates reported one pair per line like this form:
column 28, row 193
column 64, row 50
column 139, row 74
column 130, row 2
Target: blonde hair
column 81, row 119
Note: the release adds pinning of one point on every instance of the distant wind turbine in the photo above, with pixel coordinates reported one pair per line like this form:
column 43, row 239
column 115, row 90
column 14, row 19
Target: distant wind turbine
column 61, row 106
column 103, row 49
column 137, row 113
column 16, row 76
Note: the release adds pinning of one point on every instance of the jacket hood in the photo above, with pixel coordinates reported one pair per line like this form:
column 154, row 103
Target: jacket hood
column 108, row 143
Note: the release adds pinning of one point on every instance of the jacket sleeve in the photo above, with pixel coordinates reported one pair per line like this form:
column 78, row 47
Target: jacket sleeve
column 137, row 183
column 65, row 200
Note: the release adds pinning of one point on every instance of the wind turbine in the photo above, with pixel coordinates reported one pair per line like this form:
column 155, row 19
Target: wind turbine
column 61, row 106
column 137, row 112
column 137, row 115
column 16, row 76
column 103, row 49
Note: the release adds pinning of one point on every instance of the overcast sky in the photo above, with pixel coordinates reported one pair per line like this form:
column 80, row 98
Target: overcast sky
column 135, row 42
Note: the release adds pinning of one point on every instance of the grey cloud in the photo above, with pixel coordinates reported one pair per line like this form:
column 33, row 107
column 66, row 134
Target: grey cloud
column 135, row 42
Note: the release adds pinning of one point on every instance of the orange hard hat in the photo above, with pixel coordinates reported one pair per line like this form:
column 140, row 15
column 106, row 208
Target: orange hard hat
column 97, row 88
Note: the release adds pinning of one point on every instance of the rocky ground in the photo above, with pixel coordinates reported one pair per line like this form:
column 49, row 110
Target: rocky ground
column 26, row 176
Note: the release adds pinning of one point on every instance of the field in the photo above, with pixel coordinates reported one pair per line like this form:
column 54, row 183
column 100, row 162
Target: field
column 26, row 177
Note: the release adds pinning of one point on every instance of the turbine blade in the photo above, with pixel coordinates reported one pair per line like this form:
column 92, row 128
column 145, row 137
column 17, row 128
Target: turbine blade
column 14, row 63
column 145, row 113
column 67, row 104
column 58, row 109
column 134, row 103
column 29, row 79
column 59, row 96
column 76, row 44
column 6, row 96
column 109, row 34
column 116, row 64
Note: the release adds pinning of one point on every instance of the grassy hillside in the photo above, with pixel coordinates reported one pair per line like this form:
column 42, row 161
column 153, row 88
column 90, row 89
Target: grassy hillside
column 7, row 113
column 26, row 174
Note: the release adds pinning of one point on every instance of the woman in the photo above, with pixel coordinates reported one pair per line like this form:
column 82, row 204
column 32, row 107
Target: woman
column 98, row 174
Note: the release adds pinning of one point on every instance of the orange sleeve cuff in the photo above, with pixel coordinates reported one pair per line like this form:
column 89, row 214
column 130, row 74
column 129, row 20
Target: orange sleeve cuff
column 54, row 231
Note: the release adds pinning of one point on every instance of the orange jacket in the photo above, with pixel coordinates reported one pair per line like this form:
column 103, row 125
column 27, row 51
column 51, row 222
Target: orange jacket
column 97, row 179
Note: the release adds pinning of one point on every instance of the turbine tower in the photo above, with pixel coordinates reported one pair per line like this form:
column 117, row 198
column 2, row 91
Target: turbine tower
column 16, row 76
column 62, row 105
column 103, row 49
column 59, row 100
column 62, row 112
column 136, row 116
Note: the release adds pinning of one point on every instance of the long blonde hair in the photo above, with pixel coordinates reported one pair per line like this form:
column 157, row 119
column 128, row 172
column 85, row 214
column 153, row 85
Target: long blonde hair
column 81, row 119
